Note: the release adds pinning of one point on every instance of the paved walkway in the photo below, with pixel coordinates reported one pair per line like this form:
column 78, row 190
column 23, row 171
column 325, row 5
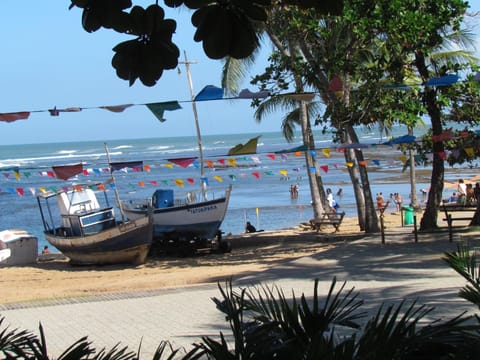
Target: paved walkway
column 400, row 269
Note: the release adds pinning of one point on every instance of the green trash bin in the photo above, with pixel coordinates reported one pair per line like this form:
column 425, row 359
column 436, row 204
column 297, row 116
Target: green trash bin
column 407, row 215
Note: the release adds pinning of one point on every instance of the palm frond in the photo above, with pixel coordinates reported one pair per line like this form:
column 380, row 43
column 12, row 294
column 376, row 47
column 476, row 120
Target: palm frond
column 15, row 343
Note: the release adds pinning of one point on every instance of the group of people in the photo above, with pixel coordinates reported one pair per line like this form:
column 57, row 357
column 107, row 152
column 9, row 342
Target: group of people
column 294, row 191
column 467, row 194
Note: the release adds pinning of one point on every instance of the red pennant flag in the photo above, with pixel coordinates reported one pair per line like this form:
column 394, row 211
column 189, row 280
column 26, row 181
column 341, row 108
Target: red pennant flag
column 335, row 85
column 50, row 174
column 256, row 174
column 271, row 156
column 191, row 181
column 221, row 161
column 85, row 172
column 67, row 171
column 153, row 182
column 183, row 162
column 11, row 117
column 20, row 191
column 324, row 168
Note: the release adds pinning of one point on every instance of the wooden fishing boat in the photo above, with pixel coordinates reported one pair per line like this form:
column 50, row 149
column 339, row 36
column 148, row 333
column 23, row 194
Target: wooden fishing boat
column 89, row 234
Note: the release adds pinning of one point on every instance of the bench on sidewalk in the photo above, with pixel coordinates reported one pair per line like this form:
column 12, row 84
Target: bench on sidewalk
column 456, row 212
column 330, row 218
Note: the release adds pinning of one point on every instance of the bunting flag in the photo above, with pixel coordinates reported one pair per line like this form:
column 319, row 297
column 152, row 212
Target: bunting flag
column 153, row 182
column 159, row 108
column 335, row 84
column 294, row 150
column 17, row 175
column 56, row 112
column 125, row 164
column 221, row 161
column 116, row 108
column 209, row 92
column 19, row 191
column 326, row 152
column 283, row 172
column 271, row 156
column 250, row 147
column 179, row 182
column 362, row 163
column 350, row 164
column 11, row 117
column 218, row 178
column 300, row 96
column 247, row 94
column 324, row 168
column 209, row 163
column 405, row 139
column 256, row 174
column 232, row 177
column 67, row 171
column 204, row 180
column 191, row 181
column 376, row 162
column 232, row 162
column 141, row 184
column 443, row 80
column 170, row 166
column 183, row 162
column 147, row 168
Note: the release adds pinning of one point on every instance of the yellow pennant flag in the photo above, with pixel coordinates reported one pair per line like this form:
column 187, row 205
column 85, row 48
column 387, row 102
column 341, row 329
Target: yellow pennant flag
column 170, row 166
column 326, row 152
column 469, row 151
column 218, row 178
column 179, row 182
column 350, row 164
column 17, row 175
column 232, row 162
column 42, row 189
column 403, row 159
column 283, row 172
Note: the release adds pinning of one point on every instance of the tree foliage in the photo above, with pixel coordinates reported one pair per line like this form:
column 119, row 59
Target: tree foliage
column 224, row 27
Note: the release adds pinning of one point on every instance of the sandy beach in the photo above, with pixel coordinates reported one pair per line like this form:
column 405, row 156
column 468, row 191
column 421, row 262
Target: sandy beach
column 257, row 252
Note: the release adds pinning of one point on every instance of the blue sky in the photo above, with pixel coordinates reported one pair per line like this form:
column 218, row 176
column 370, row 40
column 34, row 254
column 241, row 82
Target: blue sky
column 48, row 60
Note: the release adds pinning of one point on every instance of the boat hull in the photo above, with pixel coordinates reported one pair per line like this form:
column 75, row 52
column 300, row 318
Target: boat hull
column 125, row 243
column 199, row 220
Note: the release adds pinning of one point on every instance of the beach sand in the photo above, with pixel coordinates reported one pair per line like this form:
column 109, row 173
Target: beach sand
column 251, row 253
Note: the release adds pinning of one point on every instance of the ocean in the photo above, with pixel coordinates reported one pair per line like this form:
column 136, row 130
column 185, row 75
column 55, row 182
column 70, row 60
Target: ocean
column 261, row 182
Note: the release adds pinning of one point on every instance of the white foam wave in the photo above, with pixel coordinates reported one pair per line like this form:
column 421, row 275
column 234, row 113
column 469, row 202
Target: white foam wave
column 119, row 147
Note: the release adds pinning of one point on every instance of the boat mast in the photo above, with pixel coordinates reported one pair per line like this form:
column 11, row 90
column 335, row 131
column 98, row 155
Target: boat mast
column 117, row 197
column 197, row 124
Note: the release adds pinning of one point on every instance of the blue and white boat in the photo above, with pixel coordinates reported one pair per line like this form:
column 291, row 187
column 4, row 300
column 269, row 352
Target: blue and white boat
column 182, row 218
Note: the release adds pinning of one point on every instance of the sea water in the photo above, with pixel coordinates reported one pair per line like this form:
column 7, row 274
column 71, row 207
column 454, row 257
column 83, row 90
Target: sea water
column 261, row 182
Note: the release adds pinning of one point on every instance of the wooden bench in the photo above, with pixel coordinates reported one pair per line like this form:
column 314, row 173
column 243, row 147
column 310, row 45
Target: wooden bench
column 451, row 211
column 331, row 218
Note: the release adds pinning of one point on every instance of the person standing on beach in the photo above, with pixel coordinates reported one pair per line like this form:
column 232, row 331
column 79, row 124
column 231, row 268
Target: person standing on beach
column 331, row 201
column 380, row 201
column 398, row 201
column 462, row 192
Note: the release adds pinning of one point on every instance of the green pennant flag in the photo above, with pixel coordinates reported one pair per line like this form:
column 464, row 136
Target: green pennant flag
column 159, row 108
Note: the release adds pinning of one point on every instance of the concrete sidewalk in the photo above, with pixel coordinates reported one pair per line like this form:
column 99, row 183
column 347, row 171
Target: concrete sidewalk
column 400, row 269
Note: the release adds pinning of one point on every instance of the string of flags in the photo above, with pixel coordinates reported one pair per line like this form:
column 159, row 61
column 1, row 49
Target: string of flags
column 65, row 172
column 213, row 93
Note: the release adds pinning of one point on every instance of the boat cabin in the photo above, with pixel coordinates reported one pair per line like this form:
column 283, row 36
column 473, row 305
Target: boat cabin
column 81, row 214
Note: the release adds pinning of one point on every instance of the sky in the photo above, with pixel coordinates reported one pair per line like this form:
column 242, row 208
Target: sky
column 47, row 60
